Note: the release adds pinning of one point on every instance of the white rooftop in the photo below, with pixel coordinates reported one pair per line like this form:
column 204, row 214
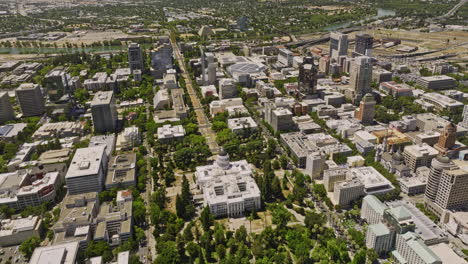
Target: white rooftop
column 169, row 131
column 86, row 161
column 58, row 254
column 374, row 182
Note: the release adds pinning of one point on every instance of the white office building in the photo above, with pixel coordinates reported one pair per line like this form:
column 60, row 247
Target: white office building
column 87, row 170
column 128, row 139
column 58, row 254
column 348, row 191
column 168, row 133
column 372, row 209
column 411, row 249
column 379, row 237
column 242, row 124
column 227, row 88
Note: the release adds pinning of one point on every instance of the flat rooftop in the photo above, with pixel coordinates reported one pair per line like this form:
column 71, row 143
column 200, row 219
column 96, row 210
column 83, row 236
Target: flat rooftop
column 87, row 161
column 102, row 98
column 421, row 150
column 121, row 169
column 58, row 254
column 374, row 182
column 425, row 227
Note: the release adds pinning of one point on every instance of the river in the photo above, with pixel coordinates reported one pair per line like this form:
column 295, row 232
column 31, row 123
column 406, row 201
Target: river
column 52, row 50
column 380, row 13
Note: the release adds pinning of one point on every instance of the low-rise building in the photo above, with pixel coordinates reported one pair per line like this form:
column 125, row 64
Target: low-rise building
column 364, row 147
column 232, row 196
column 114, row 223
column 128, row 139
column 437, row 82
column 9, row 132
column 381, row 75
column 456, row 224
column 396, row 89
column 15, row 231
column 429, row 233
column 66, row 253
column 76, row 219
column 21, row 189
column 231, row 105
column 301, row 145
column 441, row 102
column 58, row 130
column 55, row 156
column 413, row 185
column 121, row 171
column 363, row 135
column 97, row 83
column 168, row 133
column 374, row 182
column 209, row 91
column 24, row 154
column 107, row 141
column 242, row 124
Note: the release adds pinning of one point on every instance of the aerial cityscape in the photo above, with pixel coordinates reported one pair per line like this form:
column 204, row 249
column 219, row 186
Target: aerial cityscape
column 234, row 132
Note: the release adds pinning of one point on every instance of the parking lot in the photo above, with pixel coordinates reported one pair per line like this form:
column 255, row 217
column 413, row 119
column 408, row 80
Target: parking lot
column 12, row 255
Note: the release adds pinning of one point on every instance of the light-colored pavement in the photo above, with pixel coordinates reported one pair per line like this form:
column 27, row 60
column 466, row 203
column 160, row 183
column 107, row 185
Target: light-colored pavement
column 452, row 11
column 151, row 242
column 204, row 124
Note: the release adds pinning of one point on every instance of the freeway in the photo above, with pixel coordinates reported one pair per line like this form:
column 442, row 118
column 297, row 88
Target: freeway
column 452, row 11
column 204, row 123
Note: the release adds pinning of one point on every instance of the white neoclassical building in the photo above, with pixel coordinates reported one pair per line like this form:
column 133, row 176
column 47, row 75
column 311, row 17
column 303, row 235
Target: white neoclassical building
column 228, row 187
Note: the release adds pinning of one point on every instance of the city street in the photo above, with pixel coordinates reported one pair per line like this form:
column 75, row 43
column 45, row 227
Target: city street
column 204, row 123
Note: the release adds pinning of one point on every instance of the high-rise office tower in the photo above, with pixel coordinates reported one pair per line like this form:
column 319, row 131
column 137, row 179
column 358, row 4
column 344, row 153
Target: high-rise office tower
column 452, row 189
column 161, row 60
column 211, row 73
column 104, row 112
column 360, row 77
column 366, row 111
column 135, row 57
column 56, row 84
column 6, row 111
column 464, row 123
column 243, row 23
column 338, row 45
column 324, row 64
column 363, row 44
column 227, row 88
column 203, row 64
column 30, row 99
column 438, row 165
column 447, row 139
column 308, row 76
